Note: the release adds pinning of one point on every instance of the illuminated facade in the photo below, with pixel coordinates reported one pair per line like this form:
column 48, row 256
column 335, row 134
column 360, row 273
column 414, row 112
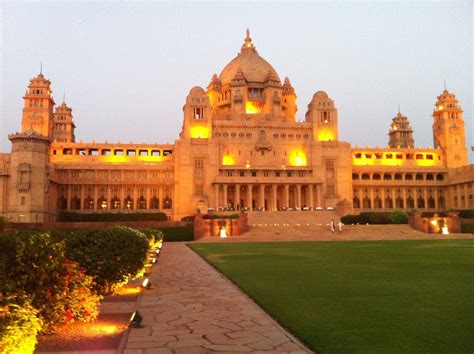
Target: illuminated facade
column 240, row 147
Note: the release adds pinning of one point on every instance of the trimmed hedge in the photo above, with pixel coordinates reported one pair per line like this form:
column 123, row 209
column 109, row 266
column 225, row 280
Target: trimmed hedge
column 3, row 222
column 91, row 217
column 217, row 216
column 467, row 228
column 466, row 214
column 181, row 233
column 395, row 217
column 154, row 236
column 110, row 255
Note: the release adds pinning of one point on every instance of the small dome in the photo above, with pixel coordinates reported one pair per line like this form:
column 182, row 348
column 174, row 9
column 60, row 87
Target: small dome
column 320, row 94
column 253, row 66
column 196, row 90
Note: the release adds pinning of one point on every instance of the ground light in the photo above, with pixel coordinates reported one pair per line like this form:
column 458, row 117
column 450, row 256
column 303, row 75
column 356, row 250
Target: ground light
column 444, row 230
column 146, row 284
column 135, row 320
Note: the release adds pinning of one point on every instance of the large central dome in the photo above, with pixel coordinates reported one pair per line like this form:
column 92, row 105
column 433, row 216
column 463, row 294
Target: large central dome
column 253, row 66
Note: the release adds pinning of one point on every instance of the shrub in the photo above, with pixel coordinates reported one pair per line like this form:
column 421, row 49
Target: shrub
column 466, row 214
column 397, row 217
column 19, row 325
column 349, row 219
column 33, row 268
column 154, row 236
column 3, row 222
column 91, row 217
column 378, row 218
column 188, row 218
column 110, row 255
column 182, row 233
column 467, row 228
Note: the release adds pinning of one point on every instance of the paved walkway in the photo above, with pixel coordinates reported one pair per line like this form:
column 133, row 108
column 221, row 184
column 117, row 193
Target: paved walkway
column 192, row 308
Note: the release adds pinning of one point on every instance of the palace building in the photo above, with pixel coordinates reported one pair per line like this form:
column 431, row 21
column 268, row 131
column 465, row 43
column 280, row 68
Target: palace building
column 240, row 147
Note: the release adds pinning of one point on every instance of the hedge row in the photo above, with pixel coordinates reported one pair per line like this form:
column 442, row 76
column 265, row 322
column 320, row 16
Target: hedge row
column 175, row 234
column 467, row 228
column 211, row 216
column 395, row 217
column 79, row 217
column 52, row 278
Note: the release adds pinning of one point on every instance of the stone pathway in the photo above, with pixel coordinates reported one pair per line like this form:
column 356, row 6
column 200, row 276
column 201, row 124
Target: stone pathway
column 192, row 308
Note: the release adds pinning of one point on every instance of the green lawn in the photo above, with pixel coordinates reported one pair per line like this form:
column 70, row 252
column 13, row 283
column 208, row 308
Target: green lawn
column 360, row 297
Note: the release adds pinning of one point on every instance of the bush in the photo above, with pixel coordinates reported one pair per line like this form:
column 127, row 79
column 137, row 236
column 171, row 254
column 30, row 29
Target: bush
column 19, row 325
column 182, row 233
column 33, row 267
column 92, row 217
column 110, row 255
column 467, row 228
column 154, row 236
column 3, row 222
column 378, row 218
column 466, row 214
column 188, row 218
column 395, row 217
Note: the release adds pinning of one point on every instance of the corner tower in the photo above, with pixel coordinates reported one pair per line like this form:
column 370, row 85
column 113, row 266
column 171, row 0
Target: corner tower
column 400, row 133
column 323, row 115
column 38, row 107
column 63, row 129
column 448, row 129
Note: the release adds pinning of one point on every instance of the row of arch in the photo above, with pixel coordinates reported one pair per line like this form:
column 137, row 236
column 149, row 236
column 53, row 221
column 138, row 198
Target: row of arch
column 115, row 203
column 398, row 176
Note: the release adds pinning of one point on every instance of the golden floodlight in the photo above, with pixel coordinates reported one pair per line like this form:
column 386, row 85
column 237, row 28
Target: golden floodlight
column 325, row 135
column 199, row 132
column 228, row 160
column 298, row 158
column 250, row 108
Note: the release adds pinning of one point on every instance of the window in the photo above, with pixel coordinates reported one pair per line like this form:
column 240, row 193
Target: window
column 67, row 151
column 198, row 113
column 409, row 156
column 429, row 157
column 254, row 174
column 242, row 173
column 155, row 153
column 143, row 152
column 277, row 173
column 167, row 152
column 94, row 152
column 106, row 152
column 419, row 156
column 118, row 152
column 131, row 153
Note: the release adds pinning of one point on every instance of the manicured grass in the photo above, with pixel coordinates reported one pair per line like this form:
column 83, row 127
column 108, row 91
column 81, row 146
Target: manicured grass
column 360, row 297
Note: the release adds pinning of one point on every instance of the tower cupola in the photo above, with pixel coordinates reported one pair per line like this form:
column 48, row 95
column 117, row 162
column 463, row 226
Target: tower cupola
column 400, row 133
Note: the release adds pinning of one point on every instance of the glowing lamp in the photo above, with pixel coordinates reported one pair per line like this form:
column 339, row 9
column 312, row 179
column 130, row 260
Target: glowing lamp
column 153, row 261
column 298, row 158
column 223, row 232
column 135, row 320
column 247, row 164
column 434, row 222
column 250, row 108
column 146, row 284
column 158, row 251
column 228, row 160
column 160, row 245
column 444, row 230
column 199, row 132
column 440, row 107
column 325, row 135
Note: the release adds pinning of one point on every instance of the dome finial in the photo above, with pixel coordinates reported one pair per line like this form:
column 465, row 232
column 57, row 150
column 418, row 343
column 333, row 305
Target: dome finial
column 248, row 42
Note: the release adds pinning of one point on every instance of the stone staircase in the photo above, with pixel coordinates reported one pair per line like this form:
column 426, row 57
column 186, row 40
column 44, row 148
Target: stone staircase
column 291, row 218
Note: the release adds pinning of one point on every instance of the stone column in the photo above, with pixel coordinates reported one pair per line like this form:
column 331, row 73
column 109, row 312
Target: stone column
column 392, row 191
column 466, row 197
column 319, row 196
column 69, row 196
column 160, row 197
column 147, row 197
column 298, row 195
column 435, row 196
column 371, row 197
column 96, row 196
column 82, row 195
column 237, row 197
column 287, row 196
column 382, row 197
column 274, row 197
column 415, row 197
column 404, row 196
column 216, row 196
column 249, row 196
column 262, row 196
column 311, row 197
column 109, row 197
column 225, row 202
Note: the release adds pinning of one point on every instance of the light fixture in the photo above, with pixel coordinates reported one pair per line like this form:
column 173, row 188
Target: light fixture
column 153, row 261
column 158, row 251
column 434, row 222
column 135, row 320
column 146, row 284
column 444, row 230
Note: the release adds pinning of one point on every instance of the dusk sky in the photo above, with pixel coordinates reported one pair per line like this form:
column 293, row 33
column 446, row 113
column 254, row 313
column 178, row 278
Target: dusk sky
column 126, row 67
